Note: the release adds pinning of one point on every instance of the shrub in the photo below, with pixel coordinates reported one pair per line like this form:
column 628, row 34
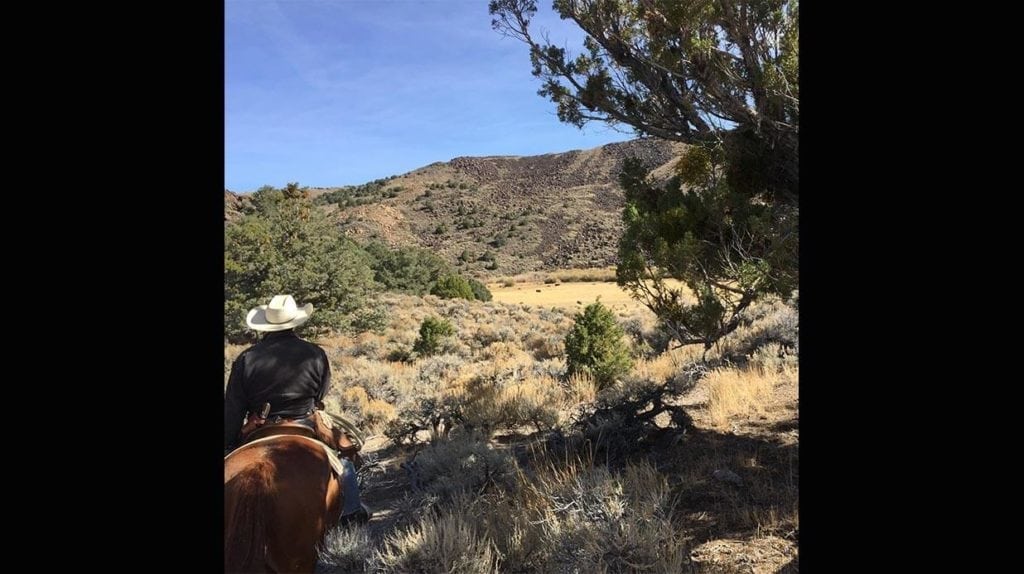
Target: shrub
column 534, row 401
column 443, row 542
column 452, row 287
column 463, row 464
column 288, row 245
column 769, row 323
column 427, row 413
column 480, row 291
column 409, row 270
column 377, row 413
column 479, row 404
column 347, row 550
column 432, row 331
column 595, row 346
column 374, row 318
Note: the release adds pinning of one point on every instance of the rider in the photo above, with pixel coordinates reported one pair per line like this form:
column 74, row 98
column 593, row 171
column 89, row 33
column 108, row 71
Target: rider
column 289, row 373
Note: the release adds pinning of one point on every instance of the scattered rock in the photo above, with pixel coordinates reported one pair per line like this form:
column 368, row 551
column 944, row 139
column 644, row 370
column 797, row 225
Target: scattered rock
column 726, row 475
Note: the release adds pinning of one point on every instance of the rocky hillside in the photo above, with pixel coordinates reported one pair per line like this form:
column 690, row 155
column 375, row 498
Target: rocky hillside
column 499, row 215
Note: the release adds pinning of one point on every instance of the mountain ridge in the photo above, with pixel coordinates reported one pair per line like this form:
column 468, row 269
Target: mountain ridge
column 497, row 215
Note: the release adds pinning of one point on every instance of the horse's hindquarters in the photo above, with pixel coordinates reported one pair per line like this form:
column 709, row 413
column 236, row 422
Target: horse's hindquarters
column 280, row 497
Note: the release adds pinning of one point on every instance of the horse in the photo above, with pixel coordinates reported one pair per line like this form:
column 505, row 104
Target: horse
column 280, row 499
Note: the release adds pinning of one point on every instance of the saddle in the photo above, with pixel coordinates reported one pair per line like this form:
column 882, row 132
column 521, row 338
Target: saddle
column 316, row 426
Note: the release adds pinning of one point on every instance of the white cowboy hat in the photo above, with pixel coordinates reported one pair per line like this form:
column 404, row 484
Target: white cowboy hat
column 280, row 314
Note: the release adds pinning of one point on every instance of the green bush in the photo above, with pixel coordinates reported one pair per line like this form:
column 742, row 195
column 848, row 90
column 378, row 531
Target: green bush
column 595, row 346
column 453, row 287
column 288, row 246
column 432, row 333
column 409, row 270
column 480, row 291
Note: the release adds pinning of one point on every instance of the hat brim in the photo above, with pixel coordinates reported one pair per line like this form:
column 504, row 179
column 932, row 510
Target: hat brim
column 257, row 319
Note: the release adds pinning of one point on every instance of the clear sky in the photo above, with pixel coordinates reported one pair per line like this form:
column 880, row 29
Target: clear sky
column 341, row 92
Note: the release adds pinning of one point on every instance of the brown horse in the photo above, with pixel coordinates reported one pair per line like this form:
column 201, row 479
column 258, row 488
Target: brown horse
column 280, row 498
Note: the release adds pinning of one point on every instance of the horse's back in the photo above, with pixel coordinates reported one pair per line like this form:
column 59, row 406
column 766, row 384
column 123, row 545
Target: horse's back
column 280, row 496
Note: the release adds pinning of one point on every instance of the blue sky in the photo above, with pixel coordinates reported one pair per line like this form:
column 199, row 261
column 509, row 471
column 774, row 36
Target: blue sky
column 341, row 92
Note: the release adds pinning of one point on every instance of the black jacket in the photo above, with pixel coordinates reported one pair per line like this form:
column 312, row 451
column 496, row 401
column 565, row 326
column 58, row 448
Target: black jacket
column 282, row 369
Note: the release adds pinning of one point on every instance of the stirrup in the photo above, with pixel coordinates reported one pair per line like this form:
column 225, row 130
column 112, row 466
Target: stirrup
column 361, row 516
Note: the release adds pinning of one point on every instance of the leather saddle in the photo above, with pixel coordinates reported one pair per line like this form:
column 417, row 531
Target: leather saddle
column 315, row 426
column 284, row 427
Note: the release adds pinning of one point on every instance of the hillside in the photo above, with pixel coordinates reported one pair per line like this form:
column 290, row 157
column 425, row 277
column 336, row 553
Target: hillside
column 499, row 215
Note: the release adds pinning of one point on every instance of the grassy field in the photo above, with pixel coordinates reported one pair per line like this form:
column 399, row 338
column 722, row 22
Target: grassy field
column 570, row 290
column 565, row 295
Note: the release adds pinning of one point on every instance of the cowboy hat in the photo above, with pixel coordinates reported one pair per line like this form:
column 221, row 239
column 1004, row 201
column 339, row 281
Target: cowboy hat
column 280, row 314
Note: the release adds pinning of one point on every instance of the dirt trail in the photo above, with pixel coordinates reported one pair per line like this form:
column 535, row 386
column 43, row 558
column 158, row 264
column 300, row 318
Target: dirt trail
column 385, row 484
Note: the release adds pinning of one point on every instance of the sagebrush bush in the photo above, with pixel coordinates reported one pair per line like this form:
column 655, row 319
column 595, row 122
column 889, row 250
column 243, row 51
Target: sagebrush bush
column 434, row 413
column 595, row 346
column 373, row 318
column 544, row 346
column 769, row 322
column 435, row 370
column 465, row 463
column 533, row 401
column 367, row 413
column 346, row 549
column 448, row 542
column 578, row 517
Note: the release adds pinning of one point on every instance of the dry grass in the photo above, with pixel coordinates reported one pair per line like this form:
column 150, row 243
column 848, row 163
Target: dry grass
column 582, row 388
column 573, row 296
column 742, row 392
column 596, row 274
column 660, row 368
